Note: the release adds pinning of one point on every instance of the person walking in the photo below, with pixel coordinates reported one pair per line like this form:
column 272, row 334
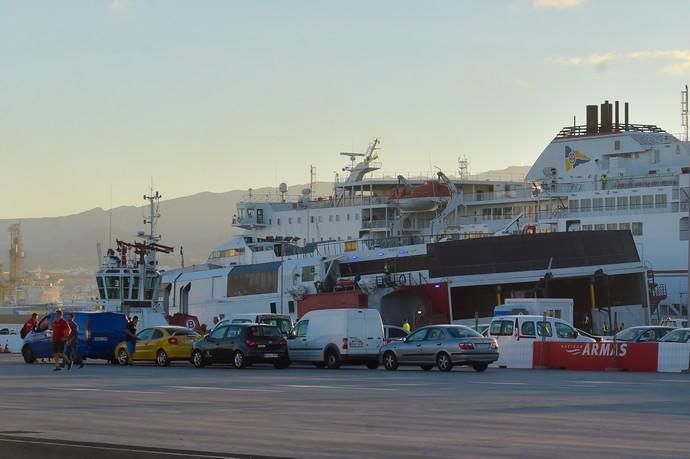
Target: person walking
column 71, row 344
column 60, row 331
column 131, row 337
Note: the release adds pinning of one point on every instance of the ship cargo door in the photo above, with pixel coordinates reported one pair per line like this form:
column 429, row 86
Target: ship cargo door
column 184, row 298
column 572, row 225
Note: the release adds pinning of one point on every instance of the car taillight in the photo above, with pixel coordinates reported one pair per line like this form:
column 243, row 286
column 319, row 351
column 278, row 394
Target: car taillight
column 344, row 345
column 250, row 342
column 466, row 346
column 172, row 340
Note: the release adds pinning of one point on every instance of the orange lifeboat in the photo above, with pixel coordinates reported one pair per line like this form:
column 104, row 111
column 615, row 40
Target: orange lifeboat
column 421, row 198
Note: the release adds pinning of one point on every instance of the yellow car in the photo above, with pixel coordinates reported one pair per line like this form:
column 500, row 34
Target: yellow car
column 159, row 344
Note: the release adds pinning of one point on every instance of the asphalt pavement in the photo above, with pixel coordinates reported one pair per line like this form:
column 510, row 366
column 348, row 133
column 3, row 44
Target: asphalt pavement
column 107, row 411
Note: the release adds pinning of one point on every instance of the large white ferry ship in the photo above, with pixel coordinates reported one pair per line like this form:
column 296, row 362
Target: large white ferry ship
column 608, row 176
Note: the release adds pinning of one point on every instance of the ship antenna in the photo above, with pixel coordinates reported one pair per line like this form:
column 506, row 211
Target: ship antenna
column 684, row 114
column 110, row 216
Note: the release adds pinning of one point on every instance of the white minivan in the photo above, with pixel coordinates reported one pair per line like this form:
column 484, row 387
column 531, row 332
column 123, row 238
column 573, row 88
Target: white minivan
column 535, row 327
column 282, row 321
column 331, row 337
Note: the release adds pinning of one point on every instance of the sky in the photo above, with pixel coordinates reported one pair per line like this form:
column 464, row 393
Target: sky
column 100, row 99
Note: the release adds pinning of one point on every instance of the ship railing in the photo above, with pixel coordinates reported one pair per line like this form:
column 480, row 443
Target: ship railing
column 431, row 175
column 581, row 130
column 369, row 224
column 608, row 211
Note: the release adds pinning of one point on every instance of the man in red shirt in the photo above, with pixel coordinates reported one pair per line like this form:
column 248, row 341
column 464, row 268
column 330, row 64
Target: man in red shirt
column 61, row 331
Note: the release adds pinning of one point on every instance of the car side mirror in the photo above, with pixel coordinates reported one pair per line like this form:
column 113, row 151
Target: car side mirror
column 404, row 340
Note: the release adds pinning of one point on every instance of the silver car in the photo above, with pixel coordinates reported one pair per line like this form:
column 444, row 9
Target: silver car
column 442, row 345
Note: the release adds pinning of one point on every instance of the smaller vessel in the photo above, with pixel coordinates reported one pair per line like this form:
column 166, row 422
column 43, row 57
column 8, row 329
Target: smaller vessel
column 128, row 279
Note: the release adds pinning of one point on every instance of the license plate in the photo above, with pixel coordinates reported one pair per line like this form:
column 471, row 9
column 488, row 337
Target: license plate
column 270, row 356
column 482, row 346
column 261, row 346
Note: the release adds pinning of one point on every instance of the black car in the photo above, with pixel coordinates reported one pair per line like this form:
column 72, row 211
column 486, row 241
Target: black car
column 242, row 344
column 642, row 334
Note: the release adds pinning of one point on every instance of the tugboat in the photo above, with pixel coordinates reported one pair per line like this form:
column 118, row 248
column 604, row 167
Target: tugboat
column 128, row 279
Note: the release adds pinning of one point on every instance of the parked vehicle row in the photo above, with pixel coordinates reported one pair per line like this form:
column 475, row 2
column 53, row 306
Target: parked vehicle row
column 324, row 338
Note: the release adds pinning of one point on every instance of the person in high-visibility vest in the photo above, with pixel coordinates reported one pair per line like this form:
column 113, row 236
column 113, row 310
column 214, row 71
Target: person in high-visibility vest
column 406, row 326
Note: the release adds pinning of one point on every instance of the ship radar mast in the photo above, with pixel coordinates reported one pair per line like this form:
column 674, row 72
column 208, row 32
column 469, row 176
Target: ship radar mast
column 152, row 220
column 359, row 170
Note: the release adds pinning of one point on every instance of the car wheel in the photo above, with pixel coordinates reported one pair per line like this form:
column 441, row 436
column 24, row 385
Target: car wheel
column 122, row 356
column 319, row 364
column 480, row 366
column 28, row 354
column 332, row 360
column 372, row 365
column 281, row 364
column 238, row 360
column 198, row 359
column 390, row 361
column 162, row 359
column 427, row 367
column 443, row 362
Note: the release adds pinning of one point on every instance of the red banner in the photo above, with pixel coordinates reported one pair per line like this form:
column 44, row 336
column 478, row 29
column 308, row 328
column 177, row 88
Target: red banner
column 596, row 356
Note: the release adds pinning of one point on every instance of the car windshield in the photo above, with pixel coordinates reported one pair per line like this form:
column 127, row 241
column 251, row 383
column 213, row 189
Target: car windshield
column 283, row 324
column 463, row 332
column 629, row 334
column 182, row 332
column 266, row 331
column 676, row 336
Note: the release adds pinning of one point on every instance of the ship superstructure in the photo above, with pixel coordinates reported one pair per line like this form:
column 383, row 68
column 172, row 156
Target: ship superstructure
column 609, row 174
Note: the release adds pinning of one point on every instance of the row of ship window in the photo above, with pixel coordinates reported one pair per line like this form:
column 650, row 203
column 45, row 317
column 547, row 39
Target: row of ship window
column 635, row 228
column 646, row 201
column 319, row 218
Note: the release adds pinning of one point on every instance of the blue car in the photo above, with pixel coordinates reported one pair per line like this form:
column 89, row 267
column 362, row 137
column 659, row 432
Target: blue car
column 99, row 334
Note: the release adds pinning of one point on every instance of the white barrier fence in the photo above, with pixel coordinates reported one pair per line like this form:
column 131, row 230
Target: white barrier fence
column 13, row 343
column 673, row 357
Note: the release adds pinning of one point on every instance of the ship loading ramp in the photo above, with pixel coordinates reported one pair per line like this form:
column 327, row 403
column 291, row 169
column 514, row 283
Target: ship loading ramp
column 463, row 280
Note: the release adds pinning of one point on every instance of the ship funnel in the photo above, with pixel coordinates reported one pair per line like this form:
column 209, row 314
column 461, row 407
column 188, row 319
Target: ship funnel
column 592, row 119
column 606, row 117
column 617, row 126
column 626, row 116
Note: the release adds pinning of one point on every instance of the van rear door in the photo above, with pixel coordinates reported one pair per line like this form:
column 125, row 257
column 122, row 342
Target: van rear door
column 374, row 333
column 356, row 332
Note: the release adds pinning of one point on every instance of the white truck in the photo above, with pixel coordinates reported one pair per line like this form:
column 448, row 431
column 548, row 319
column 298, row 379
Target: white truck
column 560, row 308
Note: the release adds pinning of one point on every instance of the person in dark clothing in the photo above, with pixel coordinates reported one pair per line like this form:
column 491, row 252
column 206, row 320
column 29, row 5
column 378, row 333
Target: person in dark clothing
column 71, row 345
column 131, row 337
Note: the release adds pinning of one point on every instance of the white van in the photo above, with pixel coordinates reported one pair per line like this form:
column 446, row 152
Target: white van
column 282, row 321
column 535, row 327
column 330, row 337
